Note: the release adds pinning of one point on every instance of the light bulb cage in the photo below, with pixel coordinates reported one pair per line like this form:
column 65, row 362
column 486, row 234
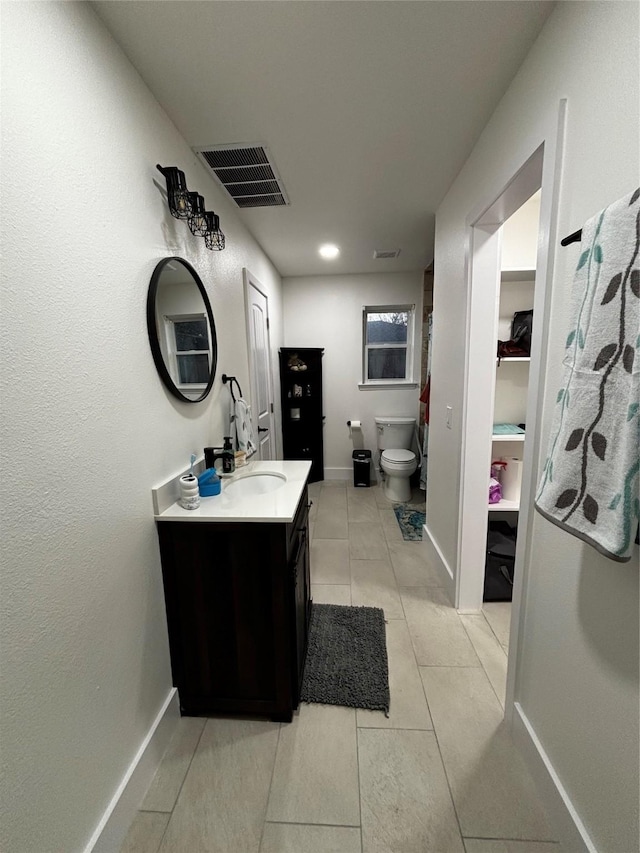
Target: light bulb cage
column 197, row 221
column 178, row 195
column 214, row 238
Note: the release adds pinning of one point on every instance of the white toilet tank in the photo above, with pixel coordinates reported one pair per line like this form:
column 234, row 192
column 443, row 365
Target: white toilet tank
column 395, row 432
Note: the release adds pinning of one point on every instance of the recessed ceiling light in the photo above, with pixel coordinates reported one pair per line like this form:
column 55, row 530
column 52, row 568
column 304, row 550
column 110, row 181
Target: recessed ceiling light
column 329, row 251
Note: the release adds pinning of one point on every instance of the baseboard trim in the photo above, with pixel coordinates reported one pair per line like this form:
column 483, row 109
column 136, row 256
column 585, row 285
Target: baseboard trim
column 437, row 558
column 338, row 473
column 119, row 814
column 566, row 822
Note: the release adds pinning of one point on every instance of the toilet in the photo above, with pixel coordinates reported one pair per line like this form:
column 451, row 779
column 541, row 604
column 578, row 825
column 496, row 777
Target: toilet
column 395, row 435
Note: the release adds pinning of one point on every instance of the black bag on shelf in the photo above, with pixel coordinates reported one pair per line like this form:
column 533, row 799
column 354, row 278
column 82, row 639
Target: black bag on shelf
column 499, row 563
column 521, row 328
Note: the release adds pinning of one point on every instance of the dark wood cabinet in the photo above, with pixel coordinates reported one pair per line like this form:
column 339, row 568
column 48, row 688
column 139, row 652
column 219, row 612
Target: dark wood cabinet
column 238, row 606
column 301, row 399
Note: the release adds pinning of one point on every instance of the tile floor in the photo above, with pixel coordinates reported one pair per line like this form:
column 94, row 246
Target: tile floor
column 439, row 774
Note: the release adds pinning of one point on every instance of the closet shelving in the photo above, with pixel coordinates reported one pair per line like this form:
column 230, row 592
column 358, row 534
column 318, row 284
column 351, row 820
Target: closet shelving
column 512, row 374
column 505, row 506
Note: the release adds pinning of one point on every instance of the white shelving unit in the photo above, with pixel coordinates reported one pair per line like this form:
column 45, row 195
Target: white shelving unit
column 510, row 406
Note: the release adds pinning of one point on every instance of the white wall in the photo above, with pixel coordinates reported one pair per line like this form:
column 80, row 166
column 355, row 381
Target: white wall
column 87, row 425
column 520, row 236
column 326, row 311
column 577, row 673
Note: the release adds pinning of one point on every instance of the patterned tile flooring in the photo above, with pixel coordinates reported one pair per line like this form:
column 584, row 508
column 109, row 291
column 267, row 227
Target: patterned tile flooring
column 439, row 774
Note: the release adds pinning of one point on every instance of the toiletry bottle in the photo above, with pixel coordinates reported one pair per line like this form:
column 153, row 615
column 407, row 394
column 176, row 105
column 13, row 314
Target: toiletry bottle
column 189, row 493
column 228, row 457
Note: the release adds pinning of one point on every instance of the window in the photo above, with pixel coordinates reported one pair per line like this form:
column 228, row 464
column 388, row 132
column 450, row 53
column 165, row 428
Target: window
column 387, row 336
column 189, row 351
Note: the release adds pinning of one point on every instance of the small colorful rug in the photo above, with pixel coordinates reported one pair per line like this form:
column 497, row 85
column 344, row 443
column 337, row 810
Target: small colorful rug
column 410, row 521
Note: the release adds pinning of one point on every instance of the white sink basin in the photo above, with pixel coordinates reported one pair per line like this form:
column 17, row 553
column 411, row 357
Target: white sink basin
column 260, row 483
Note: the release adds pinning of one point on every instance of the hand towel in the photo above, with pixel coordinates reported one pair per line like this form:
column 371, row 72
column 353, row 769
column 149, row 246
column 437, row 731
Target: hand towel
column 590, row 481
column 244, row 427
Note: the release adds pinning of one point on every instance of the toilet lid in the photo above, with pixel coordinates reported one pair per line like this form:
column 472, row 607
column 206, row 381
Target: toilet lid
column 398, row 456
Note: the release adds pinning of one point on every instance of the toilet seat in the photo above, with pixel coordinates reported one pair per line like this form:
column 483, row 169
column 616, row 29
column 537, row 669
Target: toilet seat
column 398, row 457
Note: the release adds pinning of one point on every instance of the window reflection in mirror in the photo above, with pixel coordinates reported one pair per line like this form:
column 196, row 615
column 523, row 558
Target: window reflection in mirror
column 181, row 330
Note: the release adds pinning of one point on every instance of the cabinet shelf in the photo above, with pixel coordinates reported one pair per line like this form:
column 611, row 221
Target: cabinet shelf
column 519, row 436
column 505, row 506
column 519, row 358
column 522, row 274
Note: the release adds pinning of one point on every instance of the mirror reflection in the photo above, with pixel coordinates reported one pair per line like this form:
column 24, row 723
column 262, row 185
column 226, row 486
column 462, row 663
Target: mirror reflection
column 181, row 330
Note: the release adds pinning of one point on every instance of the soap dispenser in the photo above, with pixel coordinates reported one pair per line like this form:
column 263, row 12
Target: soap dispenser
column 225, row 453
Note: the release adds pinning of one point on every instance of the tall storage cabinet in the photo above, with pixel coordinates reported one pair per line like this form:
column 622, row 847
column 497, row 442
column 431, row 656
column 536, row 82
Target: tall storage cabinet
column 301, row 398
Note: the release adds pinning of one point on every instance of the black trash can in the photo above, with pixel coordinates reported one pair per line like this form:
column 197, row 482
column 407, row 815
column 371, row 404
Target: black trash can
column 500, row 560
column 361, row 468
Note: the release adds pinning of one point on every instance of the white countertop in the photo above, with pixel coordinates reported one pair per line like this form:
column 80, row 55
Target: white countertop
column 279, row 505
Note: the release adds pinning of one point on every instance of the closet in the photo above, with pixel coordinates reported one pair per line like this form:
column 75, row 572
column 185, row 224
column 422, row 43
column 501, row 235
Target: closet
column 516, row 294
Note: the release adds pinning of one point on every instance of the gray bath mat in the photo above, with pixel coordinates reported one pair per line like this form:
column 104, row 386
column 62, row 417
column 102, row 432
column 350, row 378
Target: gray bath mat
column 347, row 658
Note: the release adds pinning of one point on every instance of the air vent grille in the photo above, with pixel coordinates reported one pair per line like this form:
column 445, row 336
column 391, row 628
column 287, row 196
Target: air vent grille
column 235, row 156
column 247, row 174
column 261, row 200
column 238, row 190
column 391, row 253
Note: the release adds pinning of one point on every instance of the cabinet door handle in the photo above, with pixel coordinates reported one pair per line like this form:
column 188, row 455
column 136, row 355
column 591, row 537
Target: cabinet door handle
column 301, row 542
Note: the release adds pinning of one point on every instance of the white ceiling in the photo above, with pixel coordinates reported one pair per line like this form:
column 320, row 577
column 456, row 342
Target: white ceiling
column 369, row 109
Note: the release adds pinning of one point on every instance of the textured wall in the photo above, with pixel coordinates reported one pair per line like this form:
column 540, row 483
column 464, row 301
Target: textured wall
column 326, row 311
column 577, row 677
column 87, row 426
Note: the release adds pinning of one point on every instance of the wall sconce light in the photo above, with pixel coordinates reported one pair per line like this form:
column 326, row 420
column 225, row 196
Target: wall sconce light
column 214, row 238
column 197, row 221
column 191, row 206
column 177, row 192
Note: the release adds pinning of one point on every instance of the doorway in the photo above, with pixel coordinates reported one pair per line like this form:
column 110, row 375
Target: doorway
column 257, row 315
column 484, row 405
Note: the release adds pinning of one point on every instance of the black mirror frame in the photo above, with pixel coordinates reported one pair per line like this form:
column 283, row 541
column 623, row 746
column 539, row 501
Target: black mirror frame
column 153, row 332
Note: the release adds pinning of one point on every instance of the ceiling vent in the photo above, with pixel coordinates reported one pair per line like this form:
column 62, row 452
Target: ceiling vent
column 246, row 173
column 392, row 253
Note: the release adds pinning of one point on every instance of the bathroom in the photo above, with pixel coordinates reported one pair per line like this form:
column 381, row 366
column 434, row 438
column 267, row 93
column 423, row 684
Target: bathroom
column 88, row 428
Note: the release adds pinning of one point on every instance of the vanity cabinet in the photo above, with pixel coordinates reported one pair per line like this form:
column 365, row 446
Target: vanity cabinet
column 238, row 606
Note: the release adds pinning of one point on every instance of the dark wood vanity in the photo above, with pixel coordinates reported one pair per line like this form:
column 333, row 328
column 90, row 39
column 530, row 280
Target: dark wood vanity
column 238, row 606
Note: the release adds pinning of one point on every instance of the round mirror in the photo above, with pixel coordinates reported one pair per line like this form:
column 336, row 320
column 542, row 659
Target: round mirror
column 182, row 333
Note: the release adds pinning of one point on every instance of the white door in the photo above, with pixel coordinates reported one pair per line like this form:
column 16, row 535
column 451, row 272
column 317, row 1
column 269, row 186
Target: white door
column 257, row 308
